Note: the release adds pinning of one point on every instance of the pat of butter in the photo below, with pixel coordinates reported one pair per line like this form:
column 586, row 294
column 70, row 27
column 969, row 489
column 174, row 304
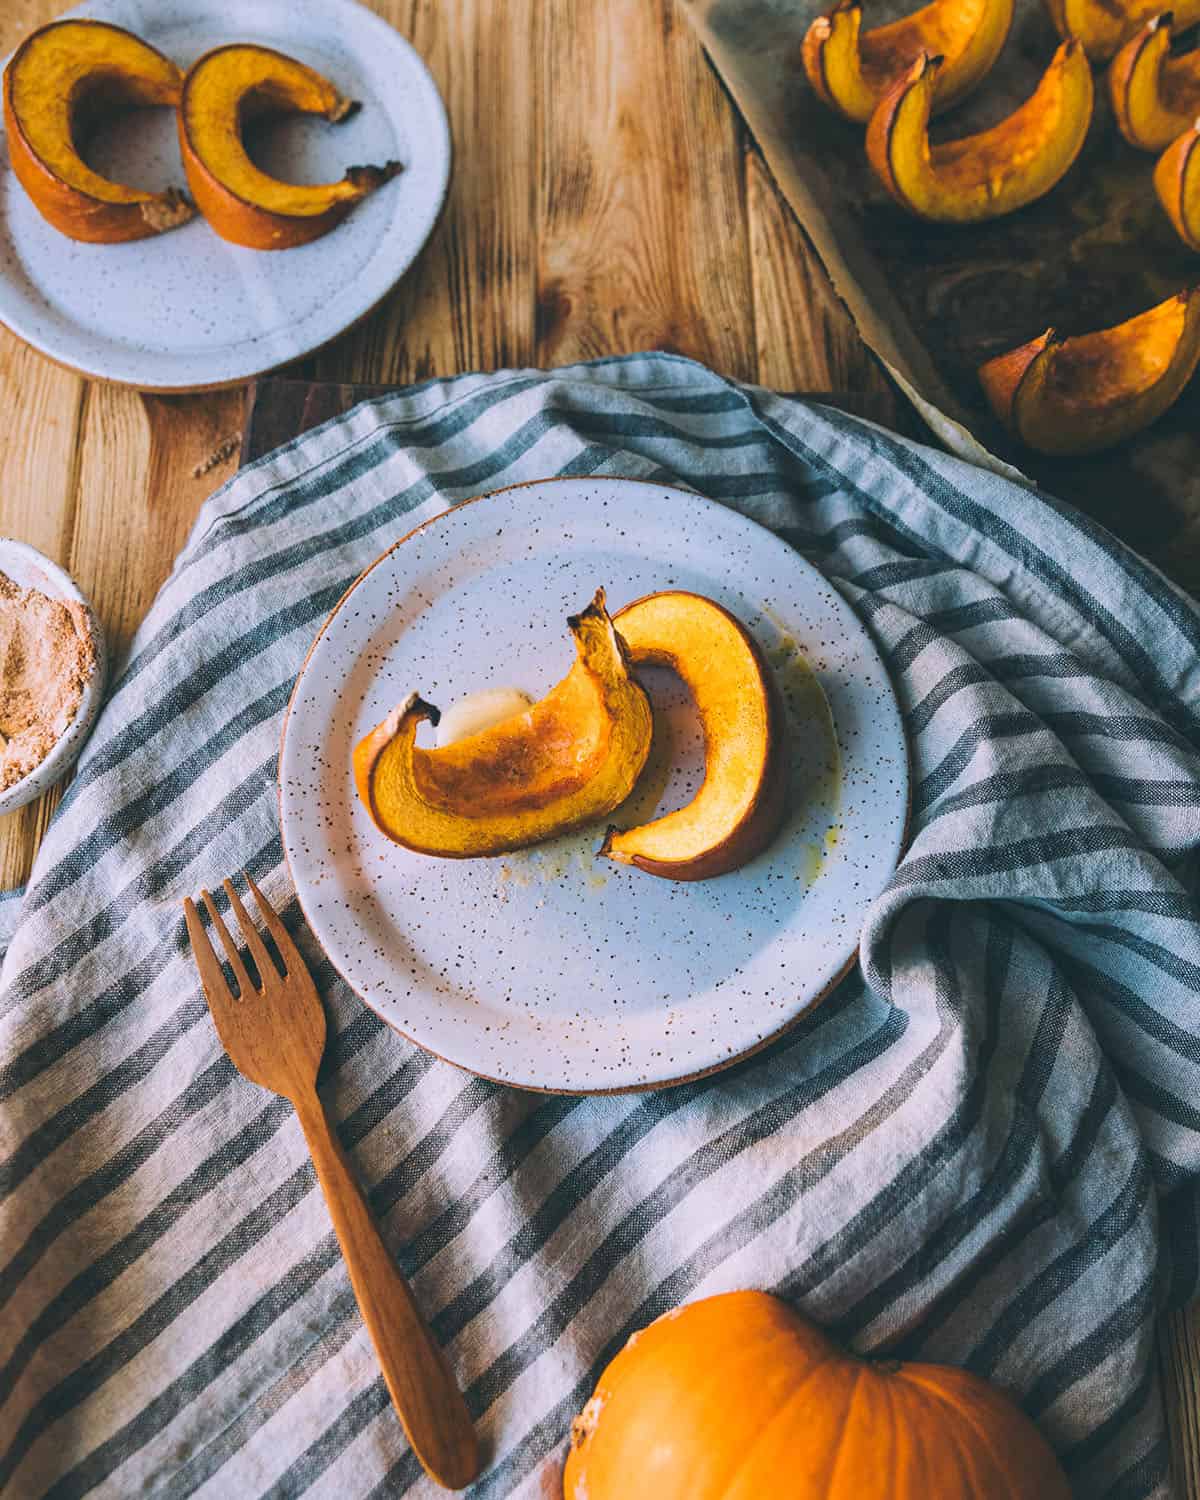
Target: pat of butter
column 479, row 711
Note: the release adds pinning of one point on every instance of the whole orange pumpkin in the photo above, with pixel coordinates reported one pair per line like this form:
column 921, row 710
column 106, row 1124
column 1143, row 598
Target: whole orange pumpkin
column 739, row 1398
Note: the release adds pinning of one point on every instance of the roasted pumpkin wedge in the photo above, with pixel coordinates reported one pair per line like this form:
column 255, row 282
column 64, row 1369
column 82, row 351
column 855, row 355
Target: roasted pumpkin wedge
column 851, row 69
column 1177, row 183
column 570, row 758
column 986, row 175
column 1080, row 395
column 1101, row 26
column 61, row 81
column 1155, row 97
column 741, row 802
column 222, row 94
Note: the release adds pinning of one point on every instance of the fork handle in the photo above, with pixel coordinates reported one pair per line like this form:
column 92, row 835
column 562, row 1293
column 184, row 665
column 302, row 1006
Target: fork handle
column 423, row 1390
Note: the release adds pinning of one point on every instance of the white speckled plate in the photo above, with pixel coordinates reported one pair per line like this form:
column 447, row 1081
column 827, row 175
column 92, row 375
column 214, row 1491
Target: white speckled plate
column 550, row 968
column 185, row 310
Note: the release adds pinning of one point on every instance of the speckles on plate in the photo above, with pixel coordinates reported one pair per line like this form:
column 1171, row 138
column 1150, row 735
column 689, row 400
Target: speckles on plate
column 550, row 967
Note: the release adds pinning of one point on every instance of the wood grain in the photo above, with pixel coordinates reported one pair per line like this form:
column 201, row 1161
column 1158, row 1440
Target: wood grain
column 605, row 199
column 804, row 337
column 274, row 1032
column 100, row 479
column 1179, row 1364
column 467, row 304
column 39, row 454
column 641, row 227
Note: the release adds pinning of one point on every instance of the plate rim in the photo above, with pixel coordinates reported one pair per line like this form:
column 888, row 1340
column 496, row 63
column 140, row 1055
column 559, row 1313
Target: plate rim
column 675, row 1081
column 69, row 745
column 439, row 117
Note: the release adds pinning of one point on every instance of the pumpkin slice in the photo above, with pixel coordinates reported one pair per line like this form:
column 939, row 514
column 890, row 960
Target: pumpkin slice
column 986, row 175
column 741, row 802
column 1083, row 394
column 1101, row 26
column 1177, row 183
column 851, row 69
column 568, row 759
column 58, row 84
column 1155, row 97
column 738, row 1396
column 222, row 93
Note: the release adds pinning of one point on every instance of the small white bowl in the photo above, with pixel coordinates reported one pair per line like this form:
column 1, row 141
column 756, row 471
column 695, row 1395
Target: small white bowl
column 27, row 567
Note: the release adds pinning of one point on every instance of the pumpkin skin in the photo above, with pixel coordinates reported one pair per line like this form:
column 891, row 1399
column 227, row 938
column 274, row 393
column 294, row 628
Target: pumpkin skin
column 739, row 808
column 1177, row 183
column 1155, row 96
column 740, row 1398
column 851, row 69
column 1088, row 393
column 222, row 92
column 566, row 760
column 1101, row 26
column 63, row 80
column 993, row 172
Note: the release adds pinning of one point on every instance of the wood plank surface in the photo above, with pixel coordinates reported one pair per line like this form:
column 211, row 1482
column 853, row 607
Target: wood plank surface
column 605, row 199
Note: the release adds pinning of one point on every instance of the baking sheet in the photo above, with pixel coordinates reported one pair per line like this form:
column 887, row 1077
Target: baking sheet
column 935, row 301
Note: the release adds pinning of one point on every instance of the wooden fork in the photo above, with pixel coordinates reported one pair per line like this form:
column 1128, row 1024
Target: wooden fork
column 275, row 1035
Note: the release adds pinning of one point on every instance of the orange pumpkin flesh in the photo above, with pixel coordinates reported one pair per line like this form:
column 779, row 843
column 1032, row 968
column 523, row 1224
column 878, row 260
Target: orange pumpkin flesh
column 740, row 804
column 1001, row 375
column 222, row 93
column 739, row 1398
column 851, row 69
column 58, row 84
column 994, row 172
column 1177, row 183
column 1155, row 96
column 568, row 759
column 1101, row 26
column 1081, row 395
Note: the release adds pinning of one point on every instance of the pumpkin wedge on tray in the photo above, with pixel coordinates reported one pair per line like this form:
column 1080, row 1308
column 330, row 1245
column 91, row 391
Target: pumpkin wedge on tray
column 991, row 173
column 851, row 69
column 1155, row 96
column 1177, row 183
column 1101, row 26
column 1085, row 394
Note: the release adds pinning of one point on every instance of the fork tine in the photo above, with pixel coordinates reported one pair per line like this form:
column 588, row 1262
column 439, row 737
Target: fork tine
column 283, row 941
column 262, row 954
column 212, row 977
column 245, row 988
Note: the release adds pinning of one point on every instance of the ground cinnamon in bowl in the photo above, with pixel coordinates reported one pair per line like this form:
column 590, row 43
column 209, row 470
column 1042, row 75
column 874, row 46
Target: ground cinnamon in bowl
column 47, row 656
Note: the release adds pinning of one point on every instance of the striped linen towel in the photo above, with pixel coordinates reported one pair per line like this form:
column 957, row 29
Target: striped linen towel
column 984, row 1148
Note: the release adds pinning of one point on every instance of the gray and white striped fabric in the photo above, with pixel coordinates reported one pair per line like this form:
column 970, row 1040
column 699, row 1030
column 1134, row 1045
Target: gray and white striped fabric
column 984, row 1148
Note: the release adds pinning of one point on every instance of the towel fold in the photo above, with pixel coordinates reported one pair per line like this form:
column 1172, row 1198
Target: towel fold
column 983, row 1148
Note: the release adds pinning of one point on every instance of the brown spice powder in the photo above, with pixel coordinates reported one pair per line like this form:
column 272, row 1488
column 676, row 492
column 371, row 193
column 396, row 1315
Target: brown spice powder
column 47, row 655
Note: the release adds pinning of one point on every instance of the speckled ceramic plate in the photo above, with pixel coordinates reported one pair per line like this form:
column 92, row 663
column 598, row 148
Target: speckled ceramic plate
column 550, row 968
column 186, row 310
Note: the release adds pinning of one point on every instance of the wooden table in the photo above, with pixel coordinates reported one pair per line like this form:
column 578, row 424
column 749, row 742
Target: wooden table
column 606, row 198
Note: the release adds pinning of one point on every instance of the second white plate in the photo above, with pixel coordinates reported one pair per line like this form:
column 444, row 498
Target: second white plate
column 186, row 310
column 550, row 968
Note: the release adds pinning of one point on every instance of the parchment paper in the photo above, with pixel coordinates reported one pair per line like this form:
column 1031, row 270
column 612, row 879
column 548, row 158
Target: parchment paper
column 935, row 301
